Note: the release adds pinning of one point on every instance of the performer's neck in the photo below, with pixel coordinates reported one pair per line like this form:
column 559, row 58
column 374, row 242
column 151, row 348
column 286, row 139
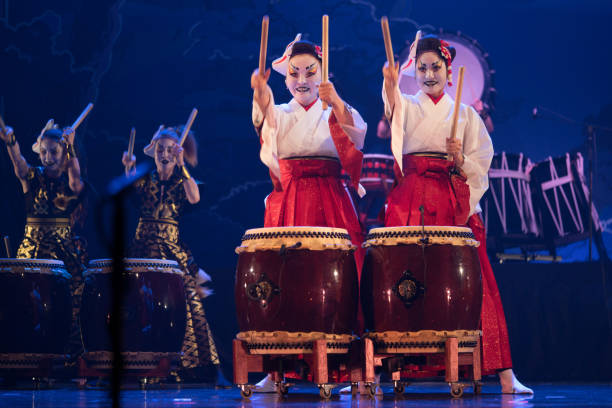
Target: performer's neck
column 164, row 174
column 310, row 105
column 436, row 99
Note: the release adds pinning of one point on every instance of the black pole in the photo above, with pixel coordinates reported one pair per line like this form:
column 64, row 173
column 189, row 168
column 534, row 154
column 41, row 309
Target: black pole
column 117, row 291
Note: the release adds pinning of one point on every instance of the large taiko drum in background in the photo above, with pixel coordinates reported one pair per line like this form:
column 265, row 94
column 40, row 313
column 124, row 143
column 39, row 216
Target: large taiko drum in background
column 153, row 312
column 35, row 309
column 421, row 278
column 296, row 279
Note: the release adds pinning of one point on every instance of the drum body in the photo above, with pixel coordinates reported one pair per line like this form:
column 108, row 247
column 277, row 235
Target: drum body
column 421, row 278
column 35, row 306
column 296, row 279
column 153, row 311
column 507, row 205
column 561, row 197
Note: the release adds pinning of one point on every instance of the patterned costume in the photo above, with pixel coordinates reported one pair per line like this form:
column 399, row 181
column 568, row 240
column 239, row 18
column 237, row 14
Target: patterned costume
column 161, row 202
column 50, row 205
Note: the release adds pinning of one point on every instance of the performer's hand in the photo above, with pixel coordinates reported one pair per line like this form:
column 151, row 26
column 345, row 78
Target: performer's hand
column 6, row 137
column 178, row 152
column 68, row 135
column 328, row 94
column 128, row 161
column 259, row 82
column 455, row 149
column 390, row 75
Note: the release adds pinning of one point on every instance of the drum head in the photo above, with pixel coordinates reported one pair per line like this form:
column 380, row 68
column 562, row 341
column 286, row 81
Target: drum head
column 478, row 77
column 24, row 265
column 311, row 238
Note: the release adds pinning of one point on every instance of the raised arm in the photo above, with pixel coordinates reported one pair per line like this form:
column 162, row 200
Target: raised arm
column 72, row 163
column 191, row 188
column 20, row 166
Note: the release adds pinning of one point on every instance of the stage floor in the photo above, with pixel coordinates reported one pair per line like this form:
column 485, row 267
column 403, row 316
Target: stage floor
column 303, row 395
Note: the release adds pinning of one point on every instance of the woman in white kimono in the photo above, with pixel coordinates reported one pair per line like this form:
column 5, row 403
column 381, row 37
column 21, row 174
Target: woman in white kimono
column 305, row 147
column 434, row 190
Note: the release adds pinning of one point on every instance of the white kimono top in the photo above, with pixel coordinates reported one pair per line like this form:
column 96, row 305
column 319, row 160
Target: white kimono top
column 289, row 130
column 420, row 125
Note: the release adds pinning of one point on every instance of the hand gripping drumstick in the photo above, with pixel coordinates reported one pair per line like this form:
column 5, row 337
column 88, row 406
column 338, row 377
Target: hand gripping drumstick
column 457, row 102
column 263, row 47
column 187, row 127
column 82, row 116
column 130, row 149
column 384, row 22
column 325, row 52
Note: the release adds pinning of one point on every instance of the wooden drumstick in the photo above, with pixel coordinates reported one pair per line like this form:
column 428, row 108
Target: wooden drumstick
column 3, row 126
column 130, row 149
column 384, row 22
column 457, row 103
column 82, row 116
column 187, row 127
column 7, row 246
column 263, row 46
column 325, row 52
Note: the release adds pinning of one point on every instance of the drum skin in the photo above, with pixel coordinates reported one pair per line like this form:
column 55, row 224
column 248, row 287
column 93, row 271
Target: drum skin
column 153, row 311
column 297, row 290
column 444, row 281
column 35, row 308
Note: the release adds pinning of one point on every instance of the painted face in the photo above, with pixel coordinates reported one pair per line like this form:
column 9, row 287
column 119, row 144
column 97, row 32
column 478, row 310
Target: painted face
column 303, row 78
column 431, row 73
column 164, row 156
column 51, row 154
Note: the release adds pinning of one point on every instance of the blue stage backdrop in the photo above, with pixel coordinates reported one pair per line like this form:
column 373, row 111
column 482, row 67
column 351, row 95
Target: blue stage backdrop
column 146, row 63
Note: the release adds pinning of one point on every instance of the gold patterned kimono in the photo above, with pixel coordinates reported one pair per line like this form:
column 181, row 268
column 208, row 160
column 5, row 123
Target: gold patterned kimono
column 50, row 204
column 161, row 203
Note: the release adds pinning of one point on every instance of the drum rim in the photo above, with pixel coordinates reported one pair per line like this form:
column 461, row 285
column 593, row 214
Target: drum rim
column 377, row 156
column 172, row 266
column 38, row 266
column 418, row 231
column 295, row 232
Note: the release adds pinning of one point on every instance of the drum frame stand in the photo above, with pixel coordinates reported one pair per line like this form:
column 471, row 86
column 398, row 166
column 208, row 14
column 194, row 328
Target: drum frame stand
column 272, row 357
column 458, row 349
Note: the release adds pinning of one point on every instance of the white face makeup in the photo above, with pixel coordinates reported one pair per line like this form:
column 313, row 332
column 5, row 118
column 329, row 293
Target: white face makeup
column 303, row 78
column 164, row 157
column 431, row 73
column 51, row 155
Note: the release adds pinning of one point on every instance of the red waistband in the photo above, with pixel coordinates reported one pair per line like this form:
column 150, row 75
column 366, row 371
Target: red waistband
column 309, row 168
column 420, row 165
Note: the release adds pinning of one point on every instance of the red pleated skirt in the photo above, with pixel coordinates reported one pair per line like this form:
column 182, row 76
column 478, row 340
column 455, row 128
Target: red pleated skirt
column 428, row 184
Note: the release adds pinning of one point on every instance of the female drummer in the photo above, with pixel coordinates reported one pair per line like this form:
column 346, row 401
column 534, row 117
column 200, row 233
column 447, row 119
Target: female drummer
column 305, row 146
column 165, row 194
column 434, row 190
column 54, row 196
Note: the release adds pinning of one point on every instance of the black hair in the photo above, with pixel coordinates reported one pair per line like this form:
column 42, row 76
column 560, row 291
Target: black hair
column 57, row 135
column 304, row 47
column 431, row 43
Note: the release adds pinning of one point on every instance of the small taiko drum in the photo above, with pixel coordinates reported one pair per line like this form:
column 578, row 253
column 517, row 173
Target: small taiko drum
column 377, row 172
column 421, row 278
column 153, row 312
column 296, row 279
column 35, row 310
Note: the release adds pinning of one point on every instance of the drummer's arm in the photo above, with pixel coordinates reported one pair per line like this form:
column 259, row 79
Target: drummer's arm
column 477, row 154
column 72, row 163
column 20, row 165
column 390, row 88
column 191, row 190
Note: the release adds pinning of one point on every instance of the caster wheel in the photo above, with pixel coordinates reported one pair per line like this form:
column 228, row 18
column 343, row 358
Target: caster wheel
column 246, row 393
column 325, row 393
column 282, row 389
column 477, row 388
column 398, row 389
column 371, row 390
column 456, row 390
